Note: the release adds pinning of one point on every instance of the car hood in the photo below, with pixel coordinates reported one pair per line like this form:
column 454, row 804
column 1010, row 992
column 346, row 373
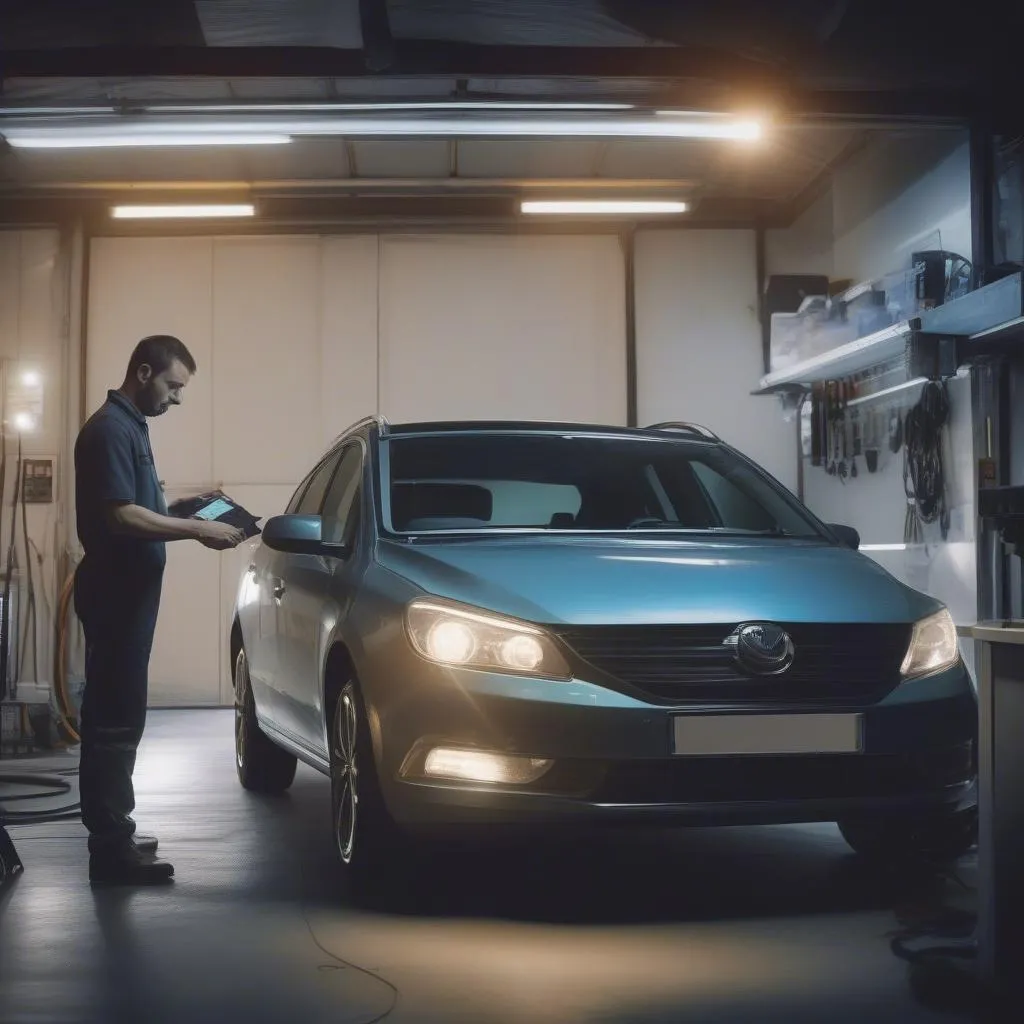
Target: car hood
column 581, row 580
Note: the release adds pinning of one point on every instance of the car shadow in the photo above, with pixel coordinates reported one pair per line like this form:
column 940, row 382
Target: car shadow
column 618, row 876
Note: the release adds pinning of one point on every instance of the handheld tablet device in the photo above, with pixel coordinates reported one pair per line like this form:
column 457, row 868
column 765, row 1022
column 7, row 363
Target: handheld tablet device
column 216, row 505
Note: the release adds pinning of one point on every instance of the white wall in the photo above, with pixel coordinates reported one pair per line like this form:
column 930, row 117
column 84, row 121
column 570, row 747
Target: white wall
column 297, row 337
column 900, row 194
column 699, row 343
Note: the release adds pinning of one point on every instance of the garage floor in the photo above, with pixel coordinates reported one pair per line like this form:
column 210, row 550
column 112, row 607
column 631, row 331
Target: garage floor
column 725, row 925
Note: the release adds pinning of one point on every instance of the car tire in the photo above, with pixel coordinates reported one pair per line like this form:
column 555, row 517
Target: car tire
column 940, row 837
column 262, row 765
column 365, row 835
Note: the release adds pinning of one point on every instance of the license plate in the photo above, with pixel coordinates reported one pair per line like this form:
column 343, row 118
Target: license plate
column 724, row 735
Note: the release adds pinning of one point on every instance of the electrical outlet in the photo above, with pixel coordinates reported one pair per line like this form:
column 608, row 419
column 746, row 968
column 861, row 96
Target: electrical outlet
column 37, row 480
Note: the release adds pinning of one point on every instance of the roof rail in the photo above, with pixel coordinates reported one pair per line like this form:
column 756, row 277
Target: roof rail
column 381, row 423
column 691, row 428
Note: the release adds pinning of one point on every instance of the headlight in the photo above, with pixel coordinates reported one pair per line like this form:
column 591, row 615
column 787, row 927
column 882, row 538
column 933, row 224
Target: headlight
column 933, row 647
column 461, row 637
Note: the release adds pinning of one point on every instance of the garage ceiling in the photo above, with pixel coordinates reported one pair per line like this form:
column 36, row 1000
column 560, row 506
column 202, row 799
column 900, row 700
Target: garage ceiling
column 832, row 73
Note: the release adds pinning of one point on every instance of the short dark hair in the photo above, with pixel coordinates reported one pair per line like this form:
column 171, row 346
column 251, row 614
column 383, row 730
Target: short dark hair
column 159, row 351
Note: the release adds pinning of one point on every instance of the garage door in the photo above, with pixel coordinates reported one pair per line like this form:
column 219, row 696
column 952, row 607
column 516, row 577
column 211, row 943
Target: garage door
column 296, row 337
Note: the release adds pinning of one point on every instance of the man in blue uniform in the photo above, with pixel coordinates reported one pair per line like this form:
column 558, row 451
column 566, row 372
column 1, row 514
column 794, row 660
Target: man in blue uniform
column 123, row 526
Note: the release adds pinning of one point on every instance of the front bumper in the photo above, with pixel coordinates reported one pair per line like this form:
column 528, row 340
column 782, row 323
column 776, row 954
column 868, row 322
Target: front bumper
column 613, row 756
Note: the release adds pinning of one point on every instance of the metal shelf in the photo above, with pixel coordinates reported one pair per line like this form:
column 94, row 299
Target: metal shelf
column 985, row 318
column 844, row 361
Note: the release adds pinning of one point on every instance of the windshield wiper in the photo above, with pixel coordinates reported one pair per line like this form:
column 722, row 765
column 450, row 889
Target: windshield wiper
column 775, row 531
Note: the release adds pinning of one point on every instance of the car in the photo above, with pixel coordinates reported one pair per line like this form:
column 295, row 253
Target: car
column 480, row 624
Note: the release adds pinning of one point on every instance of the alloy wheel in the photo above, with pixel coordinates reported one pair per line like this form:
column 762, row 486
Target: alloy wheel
column 241, row 699
column 347, row 769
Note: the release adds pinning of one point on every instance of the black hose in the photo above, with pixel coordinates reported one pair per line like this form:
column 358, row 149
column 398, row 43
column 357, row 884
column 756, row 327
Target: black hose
column 53, row 784
column 924, row 478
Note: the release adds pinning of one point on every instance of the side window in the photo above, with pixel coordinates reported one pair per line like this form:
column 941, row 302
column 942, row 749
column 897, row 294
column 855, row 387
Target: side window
column 735, row 508
column 313, row 496
column 340, row 504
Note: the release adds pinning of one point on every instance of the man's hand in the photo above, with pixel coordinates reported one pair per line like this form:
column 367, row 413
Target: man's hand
column 218, row 536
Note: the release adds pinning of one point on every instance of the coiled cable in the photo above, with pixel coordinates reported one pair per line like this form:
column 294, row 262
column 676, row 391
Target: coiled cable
column 924, row 479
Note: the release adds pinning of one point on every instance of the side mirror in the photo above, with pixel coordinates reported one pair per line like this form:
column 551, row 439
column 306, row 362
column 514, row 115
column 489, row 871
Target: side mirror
column 300, row 535
column 846, row 534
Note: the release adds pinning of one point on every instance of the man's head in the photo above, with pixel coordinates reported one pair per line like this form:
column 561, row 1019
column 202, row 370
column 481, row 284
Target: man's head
column 158, row 370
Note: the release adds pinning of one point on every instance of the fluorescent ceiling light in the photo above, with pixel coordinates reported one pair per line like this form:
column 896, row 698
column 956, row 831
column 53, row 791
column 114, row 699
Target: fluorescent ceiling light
column 603, row 206
column 269, row 130
column 494, row 105
column 735, row 129
column 116, row 140
column 144, row 212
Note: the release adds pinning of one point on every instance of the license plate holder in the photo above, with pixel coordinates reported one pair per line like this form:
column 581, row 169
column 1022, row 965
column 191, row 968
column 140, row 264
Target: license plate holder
column 767, row 734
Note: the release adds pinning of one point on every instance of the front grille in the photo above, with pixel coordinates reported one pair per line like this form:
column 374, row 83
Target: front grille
column 678, row 665
column 818, row 777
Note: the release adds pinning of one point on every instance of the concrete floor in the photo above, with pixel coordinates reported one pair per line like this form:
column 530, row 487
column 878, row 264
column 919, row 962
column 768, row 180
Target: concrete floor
column 741, row 925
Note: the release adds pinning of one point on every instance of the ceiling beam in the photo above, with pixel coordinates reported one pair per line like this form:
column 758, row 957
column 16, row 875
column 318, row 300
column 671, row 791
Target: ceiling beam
column 411, row 58
column 378, row 44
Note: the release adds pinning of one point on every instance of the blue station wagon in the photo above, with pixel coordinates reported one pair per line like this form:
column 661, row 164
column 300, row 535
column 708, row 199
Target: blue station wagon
column 519, row 623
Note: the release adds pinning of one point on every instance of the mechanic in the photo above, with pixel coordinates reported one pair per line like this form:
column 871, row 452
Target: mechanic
column 123, row 527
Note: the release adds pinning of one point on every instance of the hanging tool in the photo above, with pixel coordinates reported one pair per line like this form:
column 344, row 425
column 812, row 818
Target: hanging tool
column 827, row 438
column 871, row 442
column 843, row 469
column 895, row 431
column 855, row 427
column 816, row 414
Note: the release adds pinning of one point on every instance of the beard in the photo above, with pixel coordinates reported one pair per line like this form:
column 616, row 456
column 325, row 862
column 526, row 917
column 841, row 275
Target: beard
column 151, row 404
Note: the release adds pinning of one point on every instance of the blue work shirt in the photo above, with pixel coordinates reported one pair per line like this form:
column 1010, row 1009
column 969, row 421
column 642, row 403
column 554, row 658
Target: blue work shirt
column 114, row 465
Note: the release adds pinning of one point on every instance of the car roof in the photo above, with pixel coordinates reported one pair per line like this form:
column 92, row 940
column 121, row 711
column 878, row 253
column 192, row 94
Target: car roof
column 690, row 431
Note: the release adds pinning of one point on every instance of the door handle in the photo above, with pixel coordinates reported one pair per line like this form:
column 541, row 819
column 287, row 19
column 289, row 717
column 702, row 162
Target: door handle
column 277, row 589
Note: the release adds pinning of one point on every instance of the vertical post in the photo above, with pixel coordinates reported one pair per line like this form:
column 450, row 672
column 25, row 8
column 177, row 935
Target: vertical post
column 632, row 401
column 983, row 188
column 761, row 272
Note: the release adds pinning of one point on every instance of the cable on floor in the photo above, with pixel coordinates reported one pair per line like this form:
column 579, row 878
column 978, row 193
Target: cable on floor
column 395, row 994
column 51, row 783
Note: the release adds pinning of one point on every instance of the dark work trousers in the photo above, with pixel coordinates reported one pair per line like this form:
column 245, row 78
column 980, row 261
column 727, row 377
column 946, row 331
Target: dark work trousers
column 118, row 615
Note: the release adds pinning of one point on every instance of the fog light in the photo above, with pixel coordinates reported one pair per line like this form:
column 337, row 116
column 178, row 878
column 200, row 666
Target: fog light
column 482, row 766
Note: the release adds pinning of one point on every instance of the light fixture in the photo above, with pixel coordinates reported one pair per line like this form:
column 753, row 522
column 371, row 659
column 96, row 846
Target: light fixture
column 31, row 379
column 267, row 130
column 745, row 129
column 110, row 139
column 601, row 207
column 182, row 210
column 369, row 108
column 24, row 422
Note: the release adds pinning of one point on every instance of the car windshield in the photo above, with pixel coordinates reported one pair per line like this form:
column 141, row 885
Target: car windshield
column 548, row 481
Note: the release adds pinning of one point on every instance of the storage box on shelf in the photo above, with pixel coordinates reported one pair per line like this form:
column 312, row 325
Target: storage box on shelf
column 934, row 343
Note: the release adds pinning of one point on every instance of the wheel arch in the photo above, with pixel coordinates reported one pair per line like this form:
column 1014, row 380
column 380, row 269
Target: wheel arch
column 339, row 669
column 234, row 647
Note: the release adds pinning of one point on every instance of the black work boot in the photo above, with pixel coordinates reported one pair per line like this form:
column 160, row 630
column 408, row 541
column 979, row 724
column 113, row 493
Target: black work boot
column 144, row 844
column 128, row 866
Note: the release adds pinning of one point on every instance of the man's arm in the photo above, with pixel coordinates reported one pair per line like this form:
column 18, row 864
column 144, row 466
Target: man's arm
column 134, row 521
column 105, row 453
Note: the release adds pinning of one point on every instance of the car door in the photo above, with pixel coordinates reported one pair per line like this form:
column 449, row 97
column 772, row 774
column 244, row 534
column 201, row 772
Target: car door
column 310, row 605
column 257, row 618
column 279, row 572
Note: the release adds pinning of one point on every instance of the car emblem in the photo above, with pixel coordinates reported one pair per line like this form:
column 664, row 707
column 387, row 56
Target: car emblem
column 762, row 648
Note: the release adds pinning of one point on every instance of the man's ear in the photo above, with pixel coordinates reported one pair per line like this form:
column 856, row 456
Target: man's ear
column 144, row 373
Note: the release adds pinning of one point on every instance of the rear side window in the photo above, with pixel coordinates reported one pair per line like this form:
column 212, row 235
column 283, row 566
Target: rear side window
column 734, row 507
column 309, row 494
